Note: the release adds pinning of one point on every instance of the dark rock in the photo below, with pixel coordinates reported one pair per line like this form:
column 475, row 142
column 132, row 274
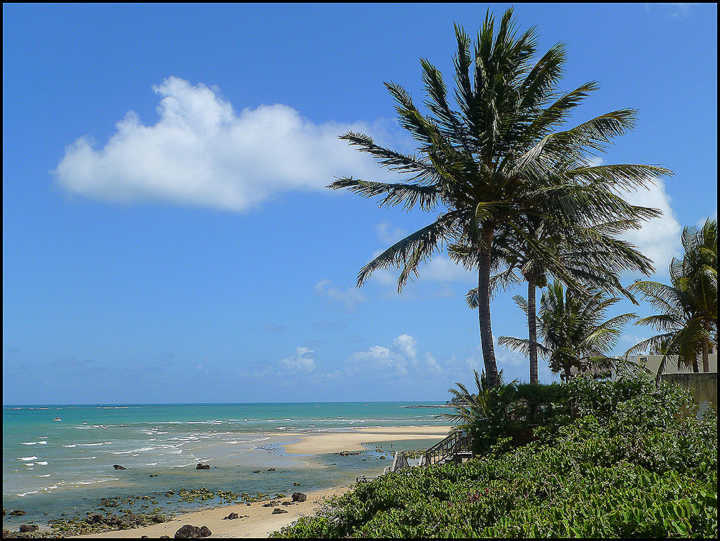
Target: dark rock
column 296, row 484
column 288, row 503
column 191, row 532
column 119, row 467
column 278, row 511
column 202, row 467
column 231, row 516
column 17, row 513
column 153, row 475
column 270, row 504
column 299, row 497
column 187, row 532
column 95, row 518
column 271, row 469
column 257, row 471
column 29, row 528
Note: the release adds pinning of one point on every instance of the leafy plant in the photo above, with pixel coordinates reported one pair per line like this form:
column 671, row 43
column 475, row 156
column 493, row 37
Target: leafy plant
column 631, row 463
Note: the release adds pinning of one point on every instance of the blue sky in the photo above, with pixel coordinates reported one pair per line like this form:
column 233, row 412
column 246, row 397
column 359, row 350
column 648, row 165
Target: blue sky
column 167, row 236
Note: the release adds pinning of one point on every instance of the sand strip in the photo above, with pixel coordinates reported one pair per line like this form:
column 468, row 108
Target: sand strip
column 259, row 522
column 335, row 442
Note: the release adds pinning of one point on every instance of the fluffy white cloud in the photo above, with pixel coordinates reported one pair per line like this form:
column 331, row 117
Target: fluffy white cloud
column 302, row 361
column 349, row 297
column 202, row 152
column 406, row 344
column 659, row 238
column 399, row 358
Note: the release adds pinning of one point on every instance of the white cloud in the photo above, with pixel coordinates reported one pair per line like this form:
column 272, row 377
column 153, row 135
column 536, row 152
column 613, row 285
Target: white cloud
column 202, row 152
column 659, row 238
column 349, row 297
column 388, row 234
column 406, row 344
column 302, row 361
column 398, row 358
column 432, row 364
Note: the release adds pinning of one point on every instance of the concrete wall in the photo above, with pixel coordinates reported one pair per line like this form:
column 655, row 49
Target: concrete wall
column 652, row 363
column 703, row 386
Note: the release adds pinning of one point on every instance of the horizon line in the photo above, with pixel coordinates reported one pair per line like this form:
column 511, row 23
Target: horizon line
column 223, row 403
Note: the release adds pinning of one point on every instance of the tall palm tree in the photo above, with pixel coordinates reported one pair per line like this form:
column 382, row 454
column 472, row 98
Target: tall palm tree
column 688, row 305
column 491, row 161
column 592, row 255
column 572, row 329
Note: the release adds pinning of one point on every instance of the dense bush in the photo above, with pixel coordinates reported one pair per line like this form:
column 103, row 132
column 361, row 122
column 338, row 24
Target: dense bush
column 629, row 465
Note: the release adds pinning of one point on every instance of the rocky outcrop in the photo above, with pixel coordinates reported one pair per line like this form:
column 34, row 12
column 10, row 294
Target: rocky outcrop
column 299, row 497
column 202, row 467
column 232, row 516
column 278, row 511
column 17, row 513
column 119, row 467
column 29, row 528
column 192, row 532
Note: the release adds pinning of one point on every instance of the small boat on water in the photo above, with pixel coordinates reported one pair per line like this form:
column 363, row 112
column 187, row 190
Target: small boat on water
column 57, row 419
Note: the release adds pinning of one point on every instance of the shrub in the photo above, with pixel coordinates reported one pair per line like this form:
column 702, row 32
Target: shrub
column 628, row 464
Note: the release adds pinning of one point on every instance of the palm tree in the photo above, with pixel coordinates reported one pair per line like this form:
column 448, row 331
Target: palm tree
column 491, row 161
column 698, row 269
column 688, row 306
column 592, row 255
column 572, row 329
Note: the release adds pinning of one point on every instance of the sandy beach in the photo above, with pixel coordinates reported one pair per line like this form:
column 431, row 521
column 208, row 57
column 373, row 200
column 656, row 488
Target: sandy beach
column 334, row 442
column 255, row 521
column 260, row 521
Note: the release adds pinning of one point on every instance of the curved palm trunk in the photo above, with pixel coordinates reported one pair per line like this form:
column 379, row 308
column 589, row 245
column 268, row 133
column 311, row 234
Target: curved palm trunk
column 706, row 364
column 532, row 331
column 484, row 311
column 695, row 364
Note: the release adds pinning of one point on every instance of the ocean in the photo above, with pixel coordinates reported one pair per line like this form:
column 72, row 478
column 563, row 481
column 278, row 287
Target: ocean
column 58, row 460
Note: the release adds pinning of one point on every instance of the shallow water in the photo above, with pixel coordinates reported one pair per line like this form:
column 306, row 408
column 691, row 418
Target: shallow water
column 54, row 467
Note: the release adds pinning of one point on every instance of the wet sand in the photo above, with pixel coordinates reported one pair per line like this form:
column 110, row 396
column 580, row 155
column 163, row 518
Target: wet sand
column 260, row 521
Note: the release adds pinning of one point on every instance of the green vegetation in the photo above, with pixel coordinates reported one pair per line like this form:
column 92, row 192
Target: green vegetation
column 623, row 459
column 572, row 329
column 689, row 305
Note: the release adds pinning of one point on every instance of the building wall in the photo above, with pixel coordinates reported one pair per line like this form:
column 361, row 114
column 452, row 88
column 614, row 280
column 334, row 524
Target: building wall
column 652, row 363
column 703, row 386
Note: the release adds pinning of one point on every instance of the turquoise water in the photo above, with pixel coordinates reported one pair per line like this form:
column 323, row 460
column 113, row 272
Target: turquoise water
column 51, row 467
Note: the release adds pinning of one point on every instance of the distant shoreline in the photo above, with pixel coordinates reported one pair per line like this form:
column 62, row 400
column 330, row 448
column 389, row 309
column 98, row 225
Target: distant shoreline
column 430, row 406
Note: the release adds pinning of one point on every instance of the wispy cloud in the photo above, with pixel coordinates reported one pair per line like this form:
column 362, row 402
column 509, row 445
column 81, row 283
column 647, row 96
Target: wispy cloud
column 675, row 10
column 202, row 152
column 302, row 361
column 349, row 297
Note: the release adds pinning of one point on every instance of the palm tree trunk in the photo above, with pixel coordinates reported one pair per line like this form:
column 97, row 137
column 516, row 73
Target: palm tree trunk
column 484, row 309
column 532, row 331
column 706, row 365
column 695, row 364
